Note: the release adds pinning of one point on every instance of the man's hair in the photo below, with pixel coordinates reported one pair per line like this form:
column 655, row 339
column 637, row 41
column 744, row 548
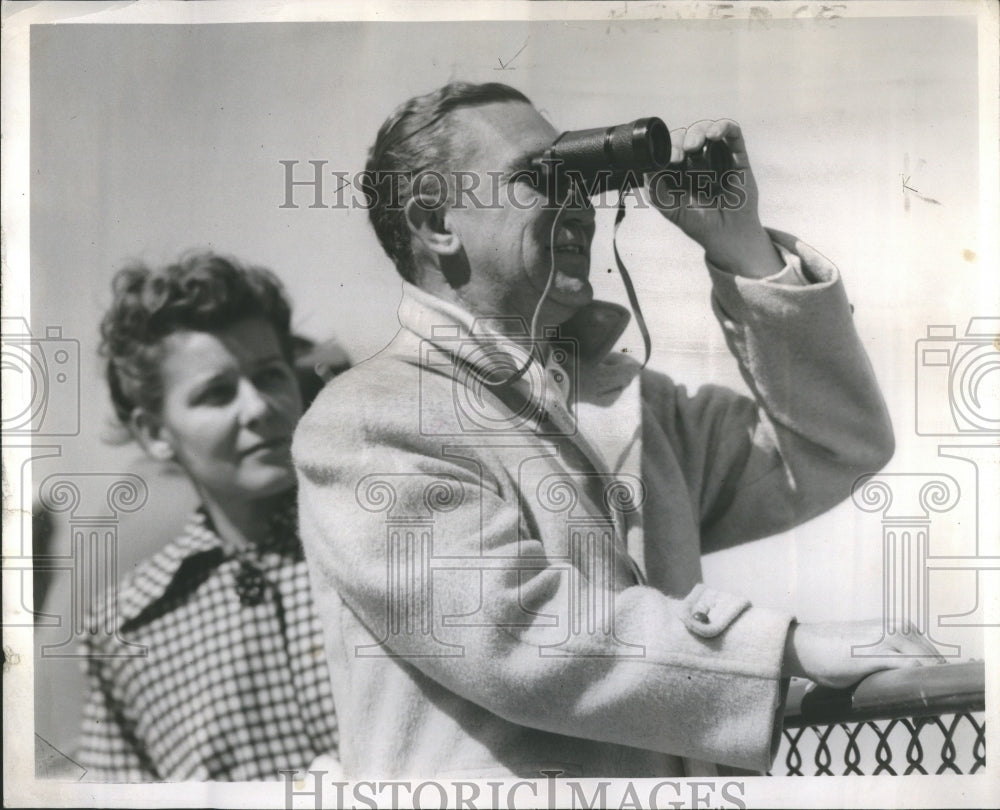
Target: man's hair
column 202, row 292
column 417, row 137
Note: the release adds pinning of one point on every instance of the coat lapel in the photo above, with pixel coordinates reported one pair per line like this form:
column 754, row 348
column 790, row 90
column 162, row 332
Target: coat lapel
column 603, row 416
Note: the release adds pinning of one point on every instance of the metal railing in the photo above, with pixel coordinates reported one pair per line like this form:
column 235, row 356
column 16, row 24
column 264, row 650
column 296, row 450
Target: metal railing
column 928, row 720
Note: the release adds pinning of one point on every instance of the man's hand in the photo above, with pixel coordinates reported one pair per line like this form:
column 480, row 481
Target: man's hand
column 733, row 239
column 822, row 652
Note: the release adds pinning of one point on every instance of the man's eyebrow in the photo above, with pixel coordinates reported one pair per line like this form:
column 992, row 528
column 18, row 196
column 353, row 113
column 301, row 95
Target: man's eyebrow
column 520, row 163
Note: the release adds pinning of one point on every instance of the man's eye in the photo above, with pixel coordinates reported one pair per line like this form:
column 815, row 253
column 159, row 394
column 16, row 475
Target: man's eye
column 528, row 176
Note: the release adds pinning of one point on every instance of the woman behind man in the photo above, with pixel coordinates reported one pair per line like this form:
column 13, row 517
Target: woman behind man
column 234, row 685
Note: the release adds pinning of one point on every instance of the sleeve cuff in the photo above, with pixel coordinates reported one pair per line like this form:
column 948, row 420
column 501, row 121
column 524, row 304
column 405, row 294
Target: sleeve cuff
column 791, row 274
column 761, row 633
column 806, row 273
column 754, row 698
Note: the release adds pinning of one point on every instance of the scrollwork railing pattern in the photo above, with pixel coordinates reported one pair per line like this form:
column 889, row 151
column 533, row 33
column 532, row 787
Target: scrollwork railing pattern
column 928, row 720
column 927, row 745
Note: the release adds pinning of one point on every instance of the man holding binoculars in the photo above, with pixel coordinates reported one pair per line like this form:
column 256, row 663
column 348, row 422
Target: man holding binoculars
column 504, row 519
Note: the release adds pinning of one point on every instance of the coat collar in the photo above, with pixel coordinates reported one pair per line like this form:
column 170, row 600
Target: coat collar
column 602, row 419
column 602, row 377
column 188, row 558
column 593, row 329
column 155, row 577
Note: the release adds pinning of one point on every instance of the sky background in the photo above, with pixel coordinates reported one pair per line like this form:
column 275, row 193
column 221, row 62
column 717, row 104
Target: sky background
column 147, row 141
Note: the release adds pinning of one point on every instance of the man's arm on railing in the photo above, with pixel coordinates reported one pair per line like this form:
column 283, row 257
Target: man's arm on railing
column 916, row 692
column 822, row 652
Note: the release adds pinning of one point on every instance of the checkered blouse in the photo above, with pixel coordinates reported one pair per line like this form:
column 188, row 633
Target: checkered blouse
column 218, row 670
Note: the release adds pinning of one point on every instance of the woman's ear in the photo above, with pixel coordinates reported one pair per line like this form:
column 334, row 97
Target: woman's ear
column 431, row 226
column 151, row 435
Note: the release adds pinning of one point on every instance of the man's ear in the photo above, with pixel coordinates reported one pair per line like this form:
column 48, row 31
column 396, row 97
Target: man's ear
column 430, row 224
column 151, row 434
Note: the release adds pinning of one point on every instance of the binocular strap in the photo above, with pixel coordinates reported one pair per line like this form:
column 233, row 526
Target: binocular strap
column 633, row 299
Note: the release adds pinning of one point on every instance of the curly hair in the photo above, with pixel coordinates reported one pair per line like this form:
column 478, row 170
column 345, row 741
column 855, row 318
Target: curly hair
column 200, row 292
column 417, row 138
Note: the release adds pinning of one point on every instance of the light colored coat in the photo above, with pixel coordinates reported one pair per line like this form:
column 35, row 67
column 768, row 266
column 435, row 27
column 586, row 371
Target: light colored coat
column 508, row 586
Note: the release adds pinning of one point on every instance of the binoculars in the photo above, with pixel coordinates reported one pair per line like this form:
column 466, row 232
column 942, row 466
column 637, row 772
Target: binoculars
column 616, row 157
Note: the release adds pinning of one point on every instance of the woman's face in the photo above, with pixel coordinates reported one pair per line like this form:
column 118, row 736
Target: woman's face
column 230, row 404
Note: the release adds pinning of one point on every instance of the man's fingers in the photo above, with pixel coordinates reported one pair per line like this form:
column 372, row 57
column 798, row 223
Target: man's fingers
column 694, row 137
column 677, row 144
column 915, row 648
column 920, row 644
column 727, row 130
column 926, row 648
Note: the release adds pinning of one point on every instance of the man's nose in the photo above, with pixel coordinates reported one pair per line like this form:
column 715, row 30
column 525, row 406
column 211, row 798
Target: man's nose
column 578, row 200
column 579, row 206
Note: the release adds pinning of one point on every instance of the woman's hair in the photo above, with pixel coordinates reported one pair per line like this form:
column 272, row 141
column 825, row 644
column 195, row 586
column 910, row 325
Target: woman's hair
column 200, row 292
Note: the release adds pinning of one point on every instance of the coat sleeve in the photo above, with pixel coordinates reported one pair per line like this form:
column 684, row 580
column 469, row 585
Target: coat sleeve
column 816, row 421
column 696, row 677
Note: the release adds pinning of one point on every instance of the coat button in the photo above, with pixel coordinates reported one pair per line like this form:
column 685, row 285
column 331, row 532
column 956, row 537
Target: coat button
column 701, row 617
